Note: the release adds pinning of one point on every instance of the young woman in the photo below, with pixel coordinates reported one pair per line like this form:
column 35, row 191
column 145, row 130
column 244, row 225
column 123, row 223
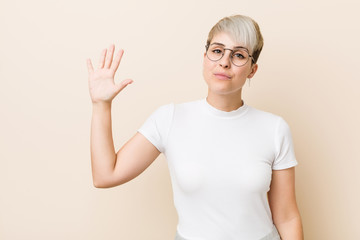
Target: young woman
column 231, row 165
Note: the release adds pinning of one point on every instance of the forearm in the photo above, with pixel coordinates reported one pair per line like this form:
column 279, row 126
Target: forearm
column 103, row 156
column 291, row 230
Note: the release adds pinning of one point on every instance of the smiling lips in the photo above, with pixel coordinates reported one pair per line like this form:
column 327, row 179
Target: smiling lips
column 222, row 76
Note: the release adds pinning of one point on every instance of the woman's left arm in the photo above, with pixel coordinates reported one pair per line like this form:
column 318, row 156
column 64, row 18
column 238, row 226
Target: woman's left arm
column 282, row 201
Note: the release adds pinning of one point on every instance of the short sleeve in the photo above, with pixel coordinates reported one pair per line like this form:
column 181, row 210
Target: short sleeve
column 157, row 126
column 285, row 155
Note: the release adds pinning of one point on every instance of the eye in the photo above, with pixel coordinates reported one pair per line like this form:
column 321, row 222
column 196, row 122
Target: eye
column 239, row 55
column 217, row 51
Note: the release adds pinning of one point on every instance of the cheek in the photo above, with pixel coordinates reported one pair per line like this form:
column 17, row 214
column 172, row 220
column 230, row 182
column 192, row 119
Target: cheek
column 243, row 73
column 207, row 68
column 204, row 70
column 248, row 70
column 205, row 76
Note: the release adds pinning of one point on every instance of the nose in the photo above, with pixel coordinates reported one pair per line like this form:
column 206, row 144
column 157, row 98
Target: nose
column 225, row 60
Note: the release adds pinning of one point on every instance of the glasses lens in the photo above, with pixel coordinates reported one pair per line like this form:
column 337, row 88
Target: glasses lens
column 215, row 52
column 239, row 56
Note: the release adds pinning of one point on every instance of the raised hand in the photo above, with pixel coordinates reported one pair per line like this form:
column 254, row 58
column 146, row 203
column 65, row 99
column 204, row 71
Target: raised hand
column 101, row 80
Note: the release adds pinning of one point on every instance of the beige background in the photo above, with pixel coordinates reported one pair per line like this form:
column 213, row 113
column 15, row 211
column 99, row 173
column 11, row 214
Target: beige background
column 308, row 74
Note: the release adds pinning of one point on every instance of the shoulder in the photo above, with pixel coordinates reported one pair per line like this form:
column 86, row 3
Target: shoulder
column 164, row 110
column 270, row 122
column 265, row 117
column 273, row 123
column 188, row 108
column 166, row 107
column 189, row 104
column 184, row 105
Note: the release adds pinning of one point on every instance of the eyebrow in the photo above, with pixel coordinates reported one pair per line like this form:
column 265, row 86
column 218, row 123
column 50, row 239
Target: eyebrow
column 221, row 44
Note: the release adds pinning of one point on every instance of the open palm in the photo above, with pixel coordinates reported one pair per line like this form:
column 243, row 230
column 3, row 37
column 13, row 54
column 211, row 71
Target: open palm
column 101, row 80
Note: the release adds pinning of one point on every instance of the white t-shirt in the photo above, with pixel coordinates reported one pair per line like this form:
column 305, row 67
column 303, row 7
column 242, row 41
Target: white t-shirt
column 220, row 165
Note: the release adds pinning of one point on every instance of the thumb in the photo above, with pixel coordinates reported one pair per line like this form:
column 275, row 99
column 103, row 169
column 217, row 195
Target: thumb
column 120, row 86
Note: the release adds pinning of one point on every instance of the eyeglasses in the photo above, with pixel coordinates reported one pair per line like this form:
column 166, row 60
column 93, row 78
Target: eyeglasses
column 239, row 56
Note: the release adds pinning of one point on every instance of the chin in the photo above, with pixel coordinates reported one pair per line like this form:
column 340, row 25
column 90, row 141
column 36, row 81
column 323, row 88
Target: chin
column 222, row 87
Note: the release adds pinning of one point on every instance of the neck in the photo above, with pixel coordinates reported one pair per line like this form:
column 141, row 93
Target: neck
column 227, row 103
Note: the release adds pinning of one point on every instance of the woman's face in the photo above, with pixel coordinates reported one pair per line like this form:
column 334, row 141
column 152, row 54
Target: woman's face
column 222, row 76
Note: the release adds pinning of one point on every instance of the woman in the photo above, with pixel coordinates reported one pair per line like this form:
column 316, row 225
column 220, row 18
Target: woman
column 231, row 165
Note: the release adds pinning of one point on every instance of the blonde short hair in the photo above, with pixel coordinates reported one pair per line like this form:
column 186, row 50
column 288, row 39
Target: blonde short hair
column 243, row 29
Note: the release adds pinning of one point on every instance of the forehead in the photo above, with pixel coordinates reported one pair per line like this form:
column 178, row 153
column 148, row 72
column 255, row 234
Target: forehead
column 227, row 40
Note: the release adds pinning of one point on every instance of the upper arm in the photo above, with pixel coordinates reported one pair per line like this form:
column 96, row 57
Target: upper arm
column 132, row 159
column 282, row 199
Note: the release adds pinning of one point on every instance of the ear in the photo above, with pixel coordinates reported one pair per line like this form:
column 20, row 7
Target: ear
column 254, row 68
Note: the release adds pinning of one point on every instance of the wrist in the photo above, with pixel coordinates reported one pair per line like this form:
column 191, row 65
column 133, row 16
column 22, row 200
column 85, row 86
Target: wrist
column 101, row 105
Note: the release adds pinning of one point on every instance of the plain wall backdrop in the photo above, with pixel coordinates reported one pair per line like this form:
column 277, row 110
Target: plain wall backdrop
column 308, row 74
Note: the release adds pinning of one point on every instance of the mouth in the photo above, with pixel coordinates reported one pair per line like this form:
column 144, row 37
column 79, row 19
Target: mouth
column 222, row 76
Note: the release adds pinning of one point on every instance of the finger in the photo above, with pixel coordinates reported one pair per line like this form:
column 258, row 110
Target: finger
column 102, row 58
column 123, row 84
column 89, row 66
column 109, row 56
column 117, row 59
